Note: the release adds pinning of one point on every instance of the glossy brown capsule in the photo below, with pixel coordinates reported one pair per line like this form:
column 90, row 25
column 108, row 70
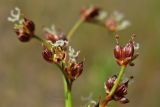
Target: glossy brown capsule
column 22, row 36
column 124, row 55
column 47, row 55
column 128, row 50
column 118, row 51
column 29, row 25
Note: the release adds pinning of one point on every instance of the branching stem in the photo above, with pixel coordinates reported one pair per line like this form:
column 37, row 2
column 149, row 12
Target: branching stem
column 75, row 27
column 117, row 82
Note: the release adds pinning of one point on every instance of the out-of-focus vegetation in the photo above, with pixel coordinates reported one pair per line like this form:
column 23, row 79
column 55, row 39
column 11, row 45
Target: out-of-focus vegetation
column 26, row 80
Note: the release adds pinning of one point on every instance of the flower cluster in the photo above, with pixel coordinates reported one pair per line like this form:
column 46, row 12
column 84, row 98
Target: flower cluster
column 24, row 28
column 113, row 22
column 116, row 87
column 125, row 55
column 120, row 92
column 55, row 50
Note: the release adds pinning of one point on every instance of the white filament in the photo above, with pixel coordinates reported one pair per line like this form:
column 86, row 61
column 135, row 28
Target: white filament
column 15, row 15
column 102, row 15
column 118, row 16
column 123, row 25
column 72, row 54
column 51, row 30
column 60, row 43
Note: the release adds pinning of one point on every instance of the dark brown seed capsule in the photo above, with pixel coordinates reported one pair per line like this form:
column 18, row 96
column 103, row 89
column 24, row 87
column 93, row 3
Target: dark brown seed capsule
column 47, row 55
column 128, row 50
column 118, row 52
column 29, row 25
column 22, row 36
column 74, row 70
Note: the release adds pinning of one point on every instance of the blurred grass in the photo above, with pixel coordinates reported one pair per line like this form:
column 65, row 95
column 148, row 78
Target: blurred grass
column 26, row 80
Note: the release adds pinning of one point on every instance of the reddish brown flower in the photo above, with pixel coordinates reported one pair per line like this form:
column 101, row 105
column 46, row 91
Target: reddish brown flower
column 23, row 27
column 54, row 38
column 53, row 35
column 110, row 83
column 115, row 22
column 90, row 13
column 74, row 70
column 47, row 55
column 111, row 24
column 54, row 52
column 25, row 31
column 120, row 92
column 29, row 25
column 125, row 55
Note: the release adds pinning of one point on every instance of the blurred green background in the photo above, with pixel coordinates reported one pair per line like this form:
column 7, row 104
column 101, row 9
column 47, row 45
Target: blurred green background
column 26, row 80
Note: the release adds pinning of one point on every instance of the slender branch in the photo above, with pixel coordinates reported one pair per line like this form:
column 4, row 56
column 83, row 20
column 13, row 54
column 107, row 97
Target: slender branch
column 75, row 27
column 68, row 94
column 67, row 83
column 67, row 86
column 117, row 82
column 38, row 38
column 61, row 67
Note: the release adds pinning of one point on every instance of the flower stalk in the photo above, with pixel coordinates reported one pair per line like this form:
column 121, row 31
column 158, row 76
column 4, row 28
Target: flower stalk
column 117, row 82
column 38, row 38
column 66, row 82
column 57, row 51
column 68, row 94
column 74, row 28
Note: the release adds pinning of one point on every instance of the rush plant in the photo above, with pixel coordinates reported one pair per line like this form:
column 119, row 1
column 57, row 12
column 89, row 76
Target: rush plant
column 56, row 50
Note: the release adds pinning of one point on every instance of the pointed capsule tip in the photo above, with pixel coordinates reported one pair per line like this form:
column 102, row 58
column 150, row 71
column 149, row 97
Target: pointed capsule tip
column 117, row 38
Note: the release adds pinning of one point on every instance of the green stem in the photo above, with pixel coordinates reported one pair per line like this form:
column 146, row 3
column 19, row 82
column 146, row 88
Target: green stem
column 117, row 82
column 68, row 94
column 38, row 38
column 67, row 85
column 42, row 41
column 74, row 28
